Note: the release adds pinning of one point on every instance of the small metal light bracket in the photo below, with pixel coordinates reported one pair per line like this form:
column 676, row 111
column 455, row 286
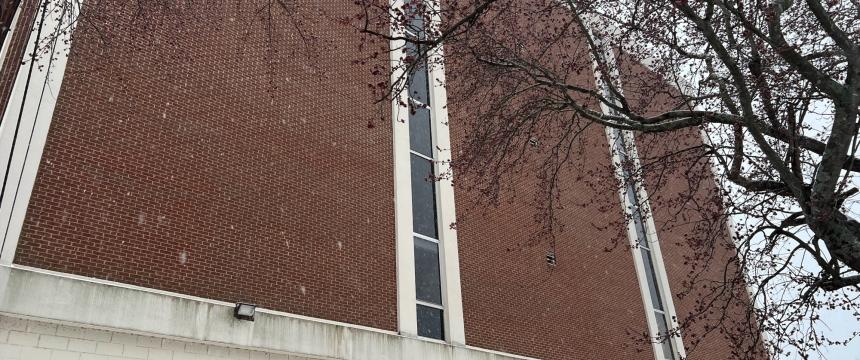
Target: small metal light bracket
column 550, row 258
column 244, row 311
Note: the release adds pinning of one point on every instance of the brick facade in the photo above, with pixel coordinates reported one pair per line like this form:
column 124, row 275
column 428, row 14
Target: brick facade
column 514, row 301
column 186, row 172
column 219, row 163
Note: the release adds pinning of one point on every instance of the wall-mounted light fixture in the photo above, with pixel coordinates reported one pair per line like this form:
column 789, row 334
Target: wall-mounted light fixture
column 244, row 311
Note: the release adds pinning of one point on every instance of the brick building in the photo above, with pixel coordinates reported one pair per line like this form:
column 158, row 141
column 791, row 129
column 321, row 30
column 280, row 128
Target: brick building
column 150, row 190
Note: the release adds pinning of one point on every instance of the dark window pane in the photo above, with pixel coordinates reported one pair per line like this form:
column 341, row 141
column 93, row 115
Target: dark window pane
column 651, row 277
column 427, row 279
column 423, row 197
column 410, row 50
column 631, row 195
column 417, row 77
column 668, row 350
column 418, row 87
column 641, row 236
column 636, row 217
column 430, row 323
column 668, row 353
column 420, row 139
column 9, row 9
column 605, row 87
column 621, row 149
column 415, row 22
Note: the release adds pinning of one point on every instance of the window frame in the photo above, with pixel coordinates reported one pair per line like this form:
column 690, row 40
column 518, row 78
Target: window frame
column 6, row 42
column 663, row 290
column 444, row 194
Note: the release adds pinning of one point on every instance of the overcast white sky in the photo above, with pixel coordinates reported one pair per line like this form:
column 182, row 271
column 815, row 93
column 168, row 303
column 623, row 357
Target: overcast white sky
column 835, row 324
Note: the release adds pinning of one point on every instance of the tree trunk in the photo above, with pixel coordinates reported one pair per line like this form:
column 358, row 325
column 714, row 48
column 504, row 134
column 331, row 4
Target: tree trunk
column 841, row 234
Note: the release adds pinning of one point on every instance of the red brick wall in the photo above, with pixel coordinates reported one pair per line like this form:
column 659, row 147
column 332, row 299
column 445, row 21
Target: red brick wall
column 589, row 305
column 15, row 52
column 582, row 308
column 207, row 163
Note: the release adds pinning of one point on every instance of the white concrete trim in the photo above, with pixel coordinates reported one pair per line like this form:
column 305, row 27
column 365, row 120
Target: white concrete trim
column 8, row 40
column 651, row 229
column 654, row 246
column 660, row 266
column 407, row 317
column 188, row 297
column 38, row 110
column 632, row 238
column 452, row 302
column 452, row 296
column 61, row 298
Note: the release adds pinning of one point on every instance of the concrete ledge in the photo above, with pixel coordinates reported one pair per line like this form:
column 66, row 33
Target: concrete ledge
column 90, row 302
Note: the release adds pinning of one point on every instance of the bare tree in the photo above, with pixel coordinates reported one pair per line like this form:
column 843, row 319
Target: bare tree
column 763, row 95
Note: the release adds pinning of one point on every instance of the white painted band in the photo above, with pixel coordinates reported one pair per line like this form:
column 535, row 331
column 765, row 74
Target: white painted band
column 27, row 118
column 64, row 298
column 8, row 40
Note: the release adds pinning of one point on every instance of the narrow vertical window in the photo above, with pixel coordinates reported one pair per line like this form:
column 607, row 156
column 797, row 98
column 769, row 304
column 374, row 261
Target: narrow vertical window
column 425, row 228
column 7, row 14
column 648, row 257
column 643, row 243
